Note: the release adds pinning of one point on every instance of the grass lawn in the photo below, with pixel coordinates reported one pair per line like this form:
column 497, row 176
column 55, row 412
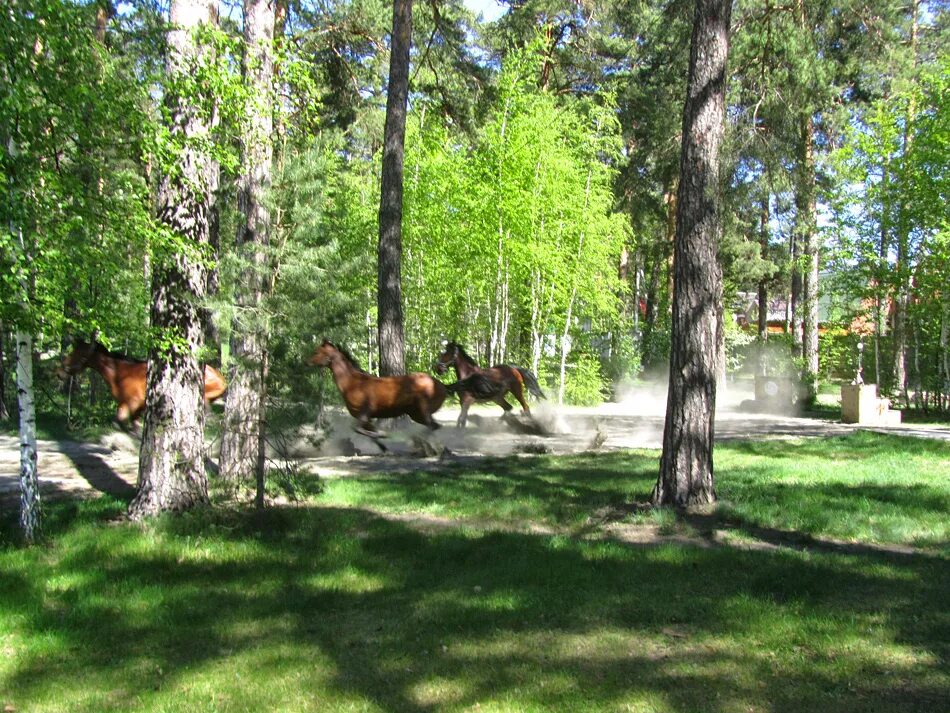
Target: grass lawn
column 506, row 586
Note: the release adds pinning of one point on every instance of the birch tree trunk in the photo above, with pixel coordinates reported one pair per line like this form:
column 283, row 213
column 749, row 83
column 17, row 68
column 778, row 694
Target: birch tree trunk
column 30, row 522
column 686, row 466
column 244, row 408
column 30, row 513
column 565, row 335
column 171, row 461
column 4, row 414
column 392, row 348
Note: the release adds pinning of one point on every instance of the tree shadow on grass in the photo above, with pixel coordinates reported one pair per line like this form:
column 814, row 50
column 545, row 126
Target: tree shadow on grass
column 326, row 608
column 550, row 490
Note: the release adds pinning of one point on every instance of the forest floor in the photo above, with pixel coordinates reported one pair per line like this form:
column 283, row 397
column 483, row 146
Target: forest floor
column 110, row 464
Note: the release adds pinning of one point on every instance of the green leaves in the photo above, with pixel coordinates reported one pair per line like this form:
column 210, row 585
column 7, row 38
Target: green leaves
column 74, row 121
column 502, row 229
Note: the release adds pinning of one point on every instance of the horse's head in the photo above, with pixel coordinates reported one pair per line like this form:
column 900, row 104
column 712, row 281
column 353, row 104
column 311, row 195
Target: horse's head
column 324, row 354
column 446, row 359
column 77, row 359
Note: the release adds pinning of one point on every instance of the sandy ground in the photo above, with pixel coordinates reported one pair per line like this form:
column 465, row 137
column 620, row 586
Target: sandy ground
column 68, row 468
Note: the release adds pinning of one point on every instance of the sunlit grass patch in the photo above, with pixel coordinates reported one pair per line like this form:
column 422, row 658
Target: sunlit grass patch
column 862, row 487
column 519, row 600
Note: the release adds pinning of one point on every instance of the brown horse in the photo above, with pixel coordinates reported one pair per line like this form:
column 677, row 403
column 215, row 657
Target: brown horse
column 367, row 397
column 126, row 377
column 504, row 377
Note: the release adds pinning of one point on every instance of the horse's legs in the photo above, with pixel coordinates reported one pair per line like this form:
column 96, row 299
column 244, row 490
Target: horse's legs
column 501, row 401
column 518, row 392
column 365, row 427
column 125, row 417
column 128, row 424
column 421, row 414
column 463, row 414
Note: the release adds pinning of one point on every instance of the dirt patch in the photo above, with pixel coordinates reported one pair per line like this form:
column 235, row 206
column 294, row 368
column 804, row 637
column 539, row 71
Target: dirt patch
column 73, row 469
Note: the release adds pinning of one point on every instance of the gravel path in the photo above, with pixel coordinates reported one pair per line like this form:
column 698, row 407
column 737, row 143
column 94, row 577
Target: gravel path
column 70, row 468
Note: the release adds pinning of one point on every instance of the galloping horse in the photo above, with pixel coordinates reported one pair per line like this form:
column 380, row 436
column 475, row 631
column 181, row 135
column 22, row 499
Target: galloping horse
column 126, row 377
column 504, row 377
column 367, row 397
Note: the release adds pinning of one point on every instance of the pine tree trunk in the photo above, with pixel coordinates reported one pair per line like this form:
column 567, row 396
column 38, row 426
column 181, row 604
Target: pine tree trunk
column 260, row 469
column 244, row 408
column 392, row 360
column 763, row 316
column 795, row 294
column 945, row 352
column 805, row 224
column 686, row 466
column 884, row 246
column 171, row 461
column 902, row 301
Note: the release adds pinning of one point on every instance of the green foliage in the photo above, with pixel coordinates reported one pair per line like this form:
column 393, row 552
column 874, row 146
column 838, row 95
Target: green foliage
column 321, row 256
column 738, row 343
column 537, row 150
column 508, row 230
column 838, row 355
column 585, row 384
column 894, row 197
column 73, row 199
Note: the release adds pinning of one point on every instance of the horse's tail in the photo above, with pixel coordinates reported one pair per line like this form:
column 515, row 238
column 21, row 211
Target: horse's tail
column 531, row 382
column 478, row 385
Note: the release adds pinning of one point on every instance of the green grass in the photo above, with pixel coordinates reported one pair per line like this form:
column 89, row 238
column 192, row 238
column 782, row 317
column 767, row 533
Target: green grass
column 330, row 606
column 864, row 487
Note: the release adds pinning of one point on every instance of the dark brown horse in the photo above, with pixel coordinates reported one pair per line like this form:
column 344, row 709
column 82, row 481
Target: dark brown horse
column 505, row 378
column 126, row 377
column 417, row 395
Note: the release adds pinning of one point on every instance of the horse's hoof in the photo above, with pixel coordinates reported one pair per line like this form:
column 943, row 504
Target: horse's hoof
column 370, row 433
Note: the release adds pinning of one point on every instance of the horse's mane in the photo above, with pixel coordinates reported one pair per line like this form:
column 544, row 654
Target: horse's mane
column 99, row 348
column 462, row 353
column 349, row 357
column 117, row 355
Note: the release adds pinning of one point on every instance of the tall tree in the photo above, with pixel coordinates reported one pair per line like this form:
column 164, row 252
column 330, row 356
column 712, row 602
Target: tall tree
column 806, row 240
column 244, row 411
column 389, row 270
column 171, row 462
column 686, row 466
column 902, row 298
